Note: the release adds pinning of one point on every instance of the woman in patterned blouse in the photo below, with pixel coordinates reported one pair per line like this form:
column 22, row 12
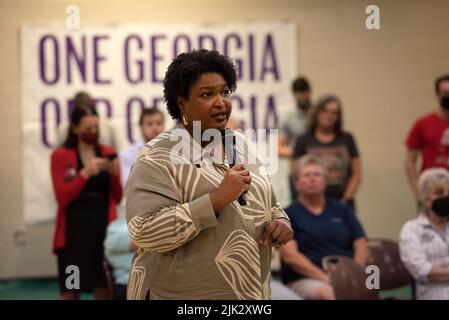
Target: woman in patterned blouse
column 195, row 240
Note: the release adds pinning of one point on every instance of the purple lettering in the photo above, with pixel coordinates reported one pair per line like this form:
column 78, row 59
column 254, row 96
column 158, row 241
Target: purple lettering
column 176, row 43
column 70, row 106
column 269, row 64
column 251, row 56
column 139, row 63
column 155, row 57
column 129, row 113
column 253, row 107
column 238, row 62
column 97, row 59
column 271, row 114
column 44, row 106
column 51, row 40
column 80, row 59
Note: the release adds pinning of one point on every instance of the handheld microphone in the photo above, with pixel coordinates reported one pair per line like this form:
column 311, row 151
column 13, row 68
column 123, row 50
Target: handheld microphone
column 228, row 140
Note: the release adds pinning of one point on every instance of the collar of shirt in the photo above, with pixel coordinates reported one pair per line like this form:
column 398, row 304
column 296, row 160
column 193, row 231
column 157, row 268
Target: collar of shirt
column 424, row 221
column 206, row 156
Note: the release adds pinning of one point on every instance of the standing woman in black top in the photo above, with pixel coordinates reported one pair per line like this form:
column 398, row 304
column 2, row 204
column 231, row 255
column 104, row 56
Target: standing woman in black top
column 337, row 148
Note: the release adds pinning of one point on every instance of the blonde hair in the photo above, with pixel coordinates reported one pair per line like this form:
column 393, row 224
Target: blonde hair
column 308, row 160
column 430, row 177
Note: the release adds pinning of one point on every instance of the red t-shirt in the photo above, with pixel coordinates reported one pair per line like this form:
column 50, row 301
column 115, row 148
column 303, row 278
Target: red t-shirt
column 430, row 134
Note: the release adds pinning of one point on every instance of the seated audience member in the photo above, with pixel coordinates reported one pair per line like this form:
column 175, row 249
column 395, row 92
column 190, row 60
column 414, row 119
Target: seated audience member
column 424, row 240
column 321, row 227
column 119, row 252
column 151, row 124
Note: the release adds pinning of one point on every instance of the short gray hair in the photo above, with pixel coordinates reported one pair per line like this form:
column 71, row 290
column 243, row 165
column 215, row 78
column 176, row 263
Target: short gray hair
column 308, row 160
column 430, row 177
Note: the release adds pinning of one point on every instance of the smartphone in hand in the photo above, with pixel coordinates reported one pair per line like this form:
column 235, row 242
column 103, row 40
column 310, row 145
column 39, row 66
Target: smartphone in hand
column 111, row 156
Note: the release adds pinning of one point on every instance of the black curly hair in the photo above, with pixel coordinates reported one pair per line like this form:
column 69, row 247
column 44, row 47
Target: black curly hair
column 185, row 70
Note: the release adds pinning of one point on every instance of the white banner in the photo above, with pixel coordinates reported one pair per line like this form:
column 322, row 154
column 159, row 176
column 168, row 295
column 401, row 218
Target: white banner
column 122, row 68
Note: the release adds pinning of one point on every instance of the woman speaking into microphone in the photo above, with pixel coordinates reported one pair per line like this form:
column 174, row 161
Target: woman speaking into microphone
column 196, row 241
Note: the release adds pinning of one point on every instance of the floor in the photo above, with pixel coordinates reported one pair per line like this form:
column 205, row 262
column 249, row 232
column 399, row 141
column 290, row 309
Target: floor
column 36, row 289
column 47, row 289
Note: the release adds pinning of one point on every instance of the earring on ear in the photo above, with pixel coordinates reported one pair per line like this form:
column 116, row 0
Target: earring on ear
column 184, row 119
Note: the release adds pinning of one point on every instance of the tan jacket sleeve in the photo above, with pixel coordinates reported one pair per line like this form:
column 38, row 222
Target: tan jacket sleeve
column 276, row 211
column 158, row 221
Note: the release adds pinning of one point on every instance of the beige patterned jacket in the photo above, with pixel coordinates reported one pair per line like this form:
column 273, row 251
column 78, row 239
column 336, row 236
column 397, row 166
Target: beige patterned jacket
column 186, row 252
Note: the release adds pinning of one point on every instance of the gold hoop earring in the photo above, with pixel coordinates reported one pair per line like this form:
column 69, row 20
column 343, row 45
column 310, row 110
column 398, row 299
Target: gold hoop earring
column 184, row 119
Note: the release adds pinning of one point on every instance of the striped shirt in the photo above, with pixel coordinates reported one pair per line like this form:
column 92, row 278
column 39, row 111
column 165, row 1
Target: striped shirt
column 186, row 252
column 423, row 246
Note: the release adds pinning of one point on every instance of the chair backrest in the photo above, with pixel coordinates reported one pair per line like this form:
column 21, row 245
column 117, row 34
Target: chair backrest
column 385, row 254
column 348, row 279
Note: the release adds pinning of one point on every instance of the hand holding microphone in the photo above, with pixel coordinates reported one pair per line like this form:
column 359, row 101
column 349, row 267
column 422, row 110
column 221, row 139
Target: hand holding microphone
column 229, row 143
column 236, row 182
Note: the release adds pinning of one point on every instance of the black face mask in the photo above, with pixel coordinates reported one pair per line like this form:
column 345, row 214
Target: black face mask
column 303, row 105
column 445, row 102
column 441, row 206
